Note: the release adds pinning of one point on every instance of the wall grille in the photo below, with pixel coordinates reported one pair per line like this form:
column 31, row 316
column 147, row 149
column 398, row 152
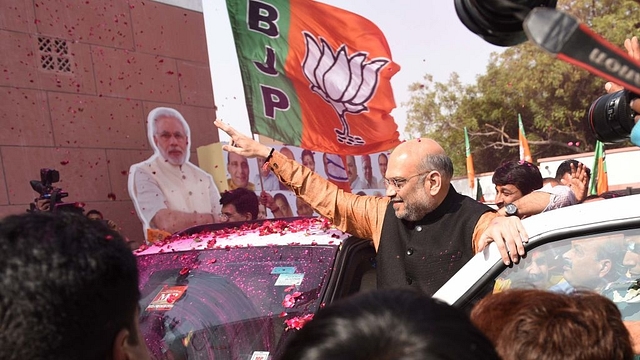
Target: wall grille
column 54, row 54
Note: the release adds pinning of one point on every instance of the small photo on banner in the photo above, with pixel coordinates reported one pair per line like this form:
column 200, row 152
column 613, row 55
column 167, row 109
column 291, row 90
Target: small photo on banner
column 361, row 171
column 287, row 204
column 364, row 172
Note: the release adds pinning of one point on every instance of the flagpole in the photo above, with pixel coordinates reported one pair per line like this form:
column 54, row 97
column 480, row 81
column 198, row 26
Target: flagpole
column 525, row 152
column 471, row 174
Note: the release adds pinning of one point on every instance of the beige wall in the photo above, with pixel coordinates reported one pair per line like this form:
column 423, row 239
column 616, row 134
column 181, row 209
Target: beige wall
column 84, row 113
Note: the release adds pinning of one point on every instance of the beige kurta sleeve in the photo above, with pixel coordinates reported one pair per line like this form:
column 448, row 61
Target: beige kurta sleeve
column 361, row 216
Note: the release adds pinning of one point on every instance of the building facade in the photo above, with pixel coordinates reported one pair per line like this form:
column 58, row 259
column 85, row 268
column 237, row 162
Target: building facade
column 77, row 80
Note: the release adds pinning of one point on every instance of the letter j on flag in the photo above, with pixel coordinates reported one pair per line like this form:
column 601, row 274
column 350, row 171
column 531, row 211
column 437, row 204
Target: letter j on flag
column 315, row 76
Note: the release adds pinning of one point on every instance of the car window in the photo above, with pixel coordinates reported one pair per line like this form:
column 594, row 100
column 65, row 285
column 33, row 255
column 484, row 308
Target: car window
column 608, row 263
column 229, row 303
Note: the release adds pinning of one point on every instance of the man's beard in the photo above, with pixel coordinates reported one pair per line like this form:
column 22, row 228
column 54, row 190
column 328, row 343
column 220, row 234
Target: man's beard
column 173, row 160
column 416, row 209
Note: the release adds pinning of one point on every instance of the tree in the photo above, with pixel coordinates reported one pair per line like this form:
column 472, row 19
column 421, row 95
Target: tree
column 552, row 96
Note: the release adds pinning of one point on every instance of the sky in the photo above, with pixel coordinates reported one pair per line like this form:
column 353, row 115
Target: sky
column 425, row 37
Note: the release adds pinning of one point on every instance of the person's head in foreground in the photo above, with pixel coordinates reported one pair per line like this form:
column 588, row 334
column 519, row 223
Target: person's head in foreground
column 69, row 290
column 538, row 324
column 389, row 324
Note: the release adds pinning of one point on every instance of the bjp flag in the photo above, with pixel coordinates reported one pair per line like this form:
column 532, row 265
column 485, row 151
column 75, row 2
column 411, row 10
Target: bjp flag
column 525, row 153
column 599, row 183
column 315, row 76
column 471, row 173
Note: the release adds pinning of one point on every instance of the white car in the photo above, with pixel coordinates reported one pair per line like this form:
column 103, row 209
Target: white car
column 590, row 246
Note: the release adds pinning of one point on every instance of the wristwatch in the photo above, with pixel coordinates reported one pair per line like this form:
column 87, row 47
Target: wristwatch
column 511, row 209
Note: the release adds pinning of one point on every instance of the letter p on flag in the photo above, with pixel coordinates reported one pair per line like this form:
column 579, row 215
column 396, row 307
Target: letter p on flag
column 315, row 76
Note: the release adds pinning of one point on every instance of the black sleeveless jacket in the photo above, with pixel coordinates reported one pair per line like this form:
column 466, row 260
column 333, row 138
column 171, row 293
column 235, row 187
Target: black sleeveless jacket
column 426, row 253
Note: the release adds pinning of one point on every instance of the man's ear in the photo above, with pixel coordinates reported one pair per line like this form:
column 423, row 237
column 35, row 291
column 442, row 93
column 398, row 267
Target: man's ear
column 119, row 345
column 124, row 348
column 433, row 182
column 605, row 267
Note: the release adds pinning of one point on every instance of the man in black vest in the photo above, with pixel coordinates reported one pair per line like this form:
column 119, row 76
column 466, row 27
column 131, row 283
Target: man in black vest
column 423, row 230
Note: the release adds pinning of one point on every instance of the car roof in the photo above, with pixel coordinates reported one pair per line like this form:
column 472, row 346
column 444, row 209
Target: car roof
column 302, row 231
column 555, row 222
column 624, row 207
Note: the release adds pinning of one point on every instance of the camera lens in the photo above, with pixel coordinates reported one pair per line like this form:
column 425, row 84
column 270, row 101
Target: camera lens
column 611, row 118
column 499, row 22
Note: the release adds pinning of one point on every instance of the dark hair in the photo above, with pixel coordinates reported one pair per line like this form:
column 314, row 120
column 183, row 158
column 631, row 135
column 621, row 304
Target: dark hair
column 288, row 212
column 522, row 174
column 439, row 162
column 539, row 324
column 389, row 324
column 565, row 168
column 68, row 286
column 94, row 211
column 306, row 152
column 245, row 201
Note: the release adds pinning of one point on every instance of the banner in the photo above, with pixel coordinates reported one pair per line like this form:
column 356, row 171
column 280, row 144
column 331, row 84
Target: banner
column 600, row 182
column 525, row 154
column 471, row 173
column 315, row 76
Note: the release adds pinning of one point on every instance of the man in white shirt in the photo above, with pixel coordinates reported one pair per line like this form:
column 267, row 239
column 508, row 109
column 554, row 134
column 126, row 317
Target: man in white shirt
column 382, row 165
column 371, row 182
column 168, row 191
column 352, row 172
column 269, row 181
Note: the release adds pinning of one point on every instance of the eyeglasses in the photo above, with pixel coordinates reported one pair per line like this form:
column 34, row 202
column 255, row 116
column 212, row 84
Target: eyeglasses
column 399, row 183
column 166, row 136
column 227, row 216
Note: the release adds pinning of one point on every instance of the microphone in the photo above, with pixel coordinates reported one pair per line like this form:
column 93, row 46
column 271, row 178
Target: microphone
column 565, row 37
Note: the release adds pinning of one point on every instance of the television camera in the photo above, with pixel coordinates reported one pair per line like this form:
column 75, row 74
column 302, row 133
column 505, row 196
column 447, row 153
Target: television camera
column 500, row 22
column 50, row 198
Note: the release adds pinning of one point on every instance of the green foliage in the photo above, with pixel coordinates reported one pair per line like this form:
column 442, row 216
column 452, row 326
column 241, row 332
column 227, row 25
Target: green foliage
column 552, row 96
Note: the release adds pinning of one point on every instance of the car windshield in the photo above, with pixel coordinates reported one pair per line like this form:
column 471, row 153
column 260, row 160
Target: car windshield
column 608, row 263
column 230, row 303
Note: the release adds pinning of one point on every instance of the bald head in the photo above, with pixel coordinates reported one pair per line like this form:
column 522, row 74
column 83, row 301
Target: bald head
column 419, row 177
column 422, row 154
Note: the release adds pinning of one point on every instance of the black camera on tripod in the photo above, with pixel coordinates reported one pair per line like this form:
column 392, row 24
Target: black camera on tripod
column 50, row 198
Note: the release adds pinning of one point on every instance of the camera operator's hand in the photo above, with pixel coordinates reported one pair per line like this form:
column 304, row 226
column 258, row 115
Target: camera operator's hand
column 633, row 49
column 112, row 225
column 43, row 204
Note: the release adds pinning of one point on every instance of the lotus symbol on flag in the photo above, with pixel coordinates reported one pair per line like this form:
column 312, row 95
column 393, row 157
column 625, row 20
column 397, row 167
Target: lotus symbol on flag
column 346, row 82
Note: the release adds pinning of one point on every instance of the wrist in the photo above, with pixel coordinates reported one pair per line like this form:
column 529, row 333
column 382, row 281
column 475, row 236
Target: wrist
column 266, row 152
column 275, row 209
